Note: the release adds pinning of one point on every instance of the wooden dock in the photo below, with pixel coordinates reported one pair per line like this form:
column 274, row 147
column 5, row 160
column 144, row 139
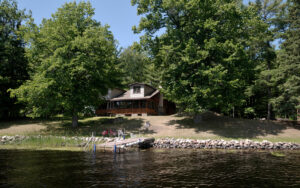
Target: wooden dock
column 121, row 146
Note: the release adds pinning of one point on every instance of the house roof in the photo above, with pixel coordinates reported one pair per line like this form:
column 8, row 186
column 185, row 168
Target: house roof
column 138, row 83
column 126, row 96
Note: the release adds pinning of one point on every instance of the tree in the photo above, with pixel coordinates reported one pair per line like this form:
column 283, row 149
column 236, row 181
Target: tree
column 288, row 71
column 264, row 55
column 13, row 64
column 137, row 66
column 74, row 58
column 203, row 51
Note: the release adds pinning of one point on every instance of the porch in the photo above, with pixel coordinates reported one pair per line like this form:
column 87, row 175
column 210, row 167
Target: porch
column 129, row 107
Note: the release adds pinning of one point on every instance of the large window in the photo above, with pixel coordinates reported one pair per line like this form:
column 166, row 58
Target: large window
column 135, row 104
column 136, row 89
column 143, row 104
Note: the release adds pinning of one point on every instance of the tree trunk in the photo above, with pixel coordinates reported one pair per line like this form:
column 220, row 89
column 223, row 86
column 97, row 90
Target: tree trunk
column 75, row 120
column 269, row 111
column 269, row 88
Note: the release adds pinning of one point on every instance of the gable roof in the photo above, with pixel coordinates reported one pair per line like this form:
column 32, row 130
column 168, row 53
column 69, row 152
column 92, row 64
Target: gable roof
column 126, row 95
column 139, row 83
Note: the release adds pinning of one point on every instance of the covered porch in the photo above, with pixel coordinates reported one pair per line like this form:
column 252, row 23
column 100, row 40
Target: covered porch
column 128, row 107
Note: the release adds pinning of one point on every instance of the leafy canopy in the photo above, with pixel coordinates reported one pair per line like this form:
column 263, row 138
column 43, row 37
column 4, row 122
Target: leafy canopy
column 203, row 52
column 136, row 66
column 74, row 61
column 13, row 64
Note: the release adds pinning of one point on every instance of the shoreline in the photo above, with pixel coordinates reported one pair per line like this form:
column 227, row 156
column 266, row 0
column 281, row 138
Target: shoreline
column 171, row 143
column 78, row 143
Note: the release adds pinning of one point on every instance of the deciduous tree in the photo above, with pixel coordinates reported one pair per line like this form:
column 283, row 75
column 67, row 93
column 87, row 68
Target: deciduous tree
column 13, row 63
column 74, row 60
column 203, row 51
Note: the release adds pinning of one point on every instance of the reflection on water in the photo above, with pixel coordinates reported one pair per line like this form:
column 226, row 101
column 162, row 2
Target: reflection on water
column 160, row 168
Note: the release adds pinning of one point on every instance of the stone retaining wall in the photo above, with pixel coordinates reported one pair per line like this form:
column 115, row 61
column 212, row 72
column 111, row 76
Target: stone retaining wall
column 222, row 144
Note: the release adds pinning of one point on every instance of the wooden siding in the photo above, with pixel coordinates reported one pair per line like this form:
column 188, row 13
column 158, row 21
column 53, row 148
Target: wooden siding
column 127, row 111
column 144, row 106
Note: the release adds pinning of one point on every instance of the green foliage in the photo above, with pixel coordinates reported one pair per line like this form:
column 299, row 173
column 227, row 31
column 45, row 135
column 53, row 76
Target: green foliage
column 264, row 56
column 13, row 64
column 203, row 53
column 249, row 112
column 287, row 73
column 74, row 60
column 137, row 66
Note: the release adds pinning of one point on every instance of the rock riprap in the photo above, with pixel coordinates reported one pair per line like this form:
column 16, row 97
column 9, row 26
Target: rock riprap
column 223, row 144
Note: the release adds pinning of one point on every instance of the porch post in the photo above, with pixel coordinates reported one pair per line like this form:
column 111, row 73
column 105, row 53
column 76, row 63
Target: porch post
column 146, row 107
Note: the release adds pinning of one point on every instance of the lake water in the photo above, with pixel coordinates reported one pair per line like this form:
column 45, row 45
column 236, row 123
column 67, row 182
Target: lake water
column 159, row 168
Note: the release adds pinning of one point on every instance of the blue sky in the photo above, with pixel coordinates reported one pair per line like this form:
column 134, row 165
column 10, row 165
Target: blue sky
column 118, row 14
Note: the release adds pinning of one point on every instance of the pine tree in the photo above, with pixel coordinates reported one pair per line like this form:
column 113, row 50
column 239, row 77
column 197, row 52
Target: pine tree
column 263, row 54
column 288, row 71
column 137, row 66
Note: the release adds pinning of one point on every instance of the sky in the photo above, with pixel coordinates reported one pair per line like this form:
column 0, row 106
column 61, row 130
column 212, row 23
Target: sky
column 118, row 14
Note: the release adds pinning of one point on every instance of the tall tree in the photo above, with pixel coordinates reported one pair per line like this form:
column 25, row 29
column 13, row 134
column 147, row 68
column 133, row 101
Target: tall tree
column 288, row 71
column 203, row 51
column 13, row 64
column 75, row 59
column 263, row 53
column 137, row 66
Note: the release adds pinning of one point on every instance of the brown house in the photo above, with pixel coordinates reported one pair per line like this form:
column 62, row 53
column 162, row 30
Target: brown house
column 140, row 99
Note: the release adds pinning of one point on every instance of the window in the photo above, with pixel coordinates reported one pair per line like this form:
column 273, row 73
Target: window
column 135, row 104
column 136, row 89
column 143, row 104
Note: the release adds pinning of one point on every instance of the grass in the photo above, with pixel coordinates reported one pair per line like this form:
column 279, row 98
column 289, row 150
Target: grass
column 94, row 125
column 63, row 126
column 43, row 142
column 39, row 148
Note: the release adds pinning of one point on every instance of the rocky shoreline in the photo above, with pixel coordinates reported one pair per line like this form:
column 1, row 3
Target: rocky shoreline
column 167, row 143
column 171, row 143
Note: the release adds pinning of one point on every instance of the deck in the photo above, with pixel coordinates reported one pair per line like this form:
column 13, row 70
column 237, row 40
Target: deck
column 123, row 145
